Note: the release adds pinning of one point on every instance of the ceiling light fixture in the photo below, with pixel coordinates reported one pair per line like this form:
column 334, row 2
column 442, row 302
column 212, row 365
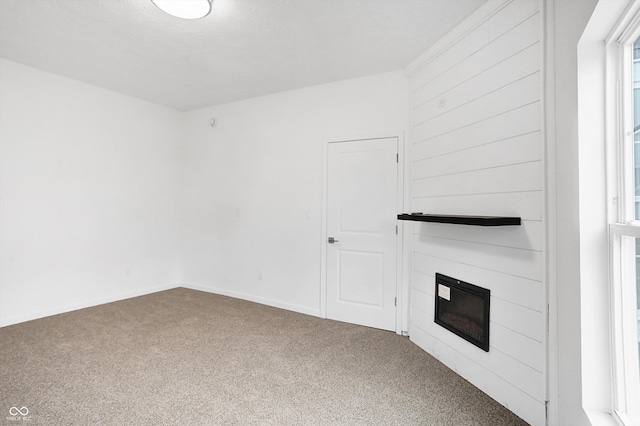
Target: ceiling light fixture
column 187, row 9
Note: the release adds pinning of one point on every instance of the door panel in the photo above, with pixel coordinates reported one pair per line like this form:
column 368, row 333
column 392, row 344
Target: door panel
column 361, row 278
column 361, row 209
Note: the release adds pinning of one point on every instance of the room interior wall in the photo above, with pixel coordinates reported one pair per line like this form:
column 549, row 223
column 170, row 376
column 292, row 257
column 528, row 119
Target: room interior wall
column 92, row 184
column 252, row 185
column 580, row 308
column 89, row 182
column 477, row 149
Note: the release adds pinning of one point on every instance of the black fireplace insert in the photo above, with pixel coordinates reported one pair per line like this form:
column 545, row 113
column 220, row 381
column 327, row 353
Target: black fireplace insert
column 463, row 309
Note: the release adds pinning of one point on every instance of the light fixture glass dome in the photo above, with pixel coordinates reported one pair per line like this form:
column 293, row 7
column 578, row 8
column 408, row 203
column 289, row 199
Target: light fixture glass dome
column 187, row 9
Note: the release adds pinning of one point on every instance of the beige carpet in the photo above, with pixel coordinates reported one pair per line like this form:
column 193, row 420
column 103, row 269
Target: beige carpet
column 183, row 357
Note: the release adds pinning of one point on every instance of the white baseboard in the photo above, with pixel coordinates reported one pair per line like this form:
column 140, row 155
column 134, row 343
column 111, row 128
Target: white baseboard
column 256, row 299
column 127, row 295
column 81, row 305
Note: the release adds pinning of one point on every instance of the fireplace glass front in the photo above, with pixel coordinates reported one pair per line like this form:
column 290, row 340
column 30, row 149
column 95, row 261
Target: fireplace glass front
column 463, row 309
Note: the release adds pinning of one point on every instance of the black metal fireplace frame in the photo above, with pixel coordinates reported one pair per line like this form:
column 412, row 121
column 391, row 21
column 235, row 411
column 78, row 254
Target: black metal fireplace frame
column 483, row 293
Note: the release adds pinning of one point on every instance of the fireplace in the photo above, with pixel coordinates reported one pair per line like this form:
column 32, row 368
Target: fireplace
column 463, row 309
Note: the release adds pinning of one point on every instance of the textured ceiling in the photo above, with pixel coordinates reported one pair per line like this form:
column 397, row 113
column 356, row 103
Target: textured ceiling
column 244, row 48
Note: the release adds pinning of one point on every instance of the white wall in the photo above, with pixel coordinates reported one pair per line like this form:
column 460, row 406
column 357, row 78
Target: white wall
column 569, row 18
column 590, row 150
column 89, row 182
column 478, row 150
column 253, row 185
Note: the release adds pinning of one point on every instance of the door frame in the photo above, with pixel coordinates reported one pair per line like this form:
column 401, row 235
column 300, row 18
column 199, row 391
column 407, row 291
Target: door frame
column 402, row 247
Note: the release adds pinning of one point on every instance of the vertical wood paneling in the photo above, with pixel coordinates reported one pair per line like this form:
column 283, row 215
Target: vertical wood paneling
column 512, row 95
column 507, row 178
column 499, row 126
column 508, row 45
column 526, row 406
column 512, row 69
column 477, row 149
column 526, row 204
column 528, row 236
column 512, row 261
column 519, row 149
column 520, row 291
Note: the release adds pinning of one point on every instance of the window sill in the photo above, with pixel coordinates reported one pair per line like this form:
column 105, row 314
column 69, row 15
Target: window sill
column 599, row 418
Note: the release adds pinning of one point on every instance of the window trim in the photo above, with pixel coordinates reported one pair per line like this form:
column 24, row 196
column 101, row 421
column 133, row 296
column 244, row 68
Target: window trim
column 623, row 307
column 623, row 227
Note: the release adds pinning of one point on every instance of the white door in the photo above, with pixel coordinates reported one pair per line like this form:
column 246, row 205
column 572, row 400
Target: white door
column 361, row 229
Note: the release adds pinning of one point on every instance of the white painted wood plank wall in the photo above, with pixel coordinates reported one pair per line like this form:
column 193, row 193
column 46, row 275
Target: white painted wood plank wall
column 477, row 149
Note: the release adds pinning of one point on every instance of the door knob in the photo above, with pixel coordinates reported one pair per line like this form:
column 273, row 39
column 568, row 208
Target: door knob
column 332, row 240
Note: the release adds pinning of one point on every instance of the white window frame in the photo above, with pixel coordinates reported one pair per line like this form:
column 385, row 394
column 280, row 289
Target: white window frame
column 623, row 228
column 623, row 308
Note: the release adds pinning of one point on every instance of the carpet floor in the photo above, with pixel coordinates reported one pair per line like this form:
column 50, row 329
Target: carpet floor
column 184, row 357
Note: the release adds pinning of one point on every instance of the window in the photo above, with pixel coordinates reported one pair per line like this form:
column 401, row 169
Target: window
column 636, row 125
column 625, row 228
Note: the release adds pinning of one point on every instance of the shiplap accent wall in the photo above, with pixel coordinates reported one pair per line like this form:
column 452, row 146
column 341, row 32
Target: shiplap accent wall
column 477, row 149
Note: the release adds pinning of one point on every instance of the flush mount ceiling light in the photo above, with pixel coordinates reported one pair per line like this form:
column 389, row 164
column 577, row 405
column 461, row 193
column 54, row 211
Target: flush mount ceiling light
column 187, row 9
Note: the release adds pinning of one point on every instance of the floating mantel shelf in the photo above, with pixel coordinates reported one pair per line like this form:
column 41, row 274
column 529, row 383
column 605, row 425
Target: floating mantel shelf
column 462, row 220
